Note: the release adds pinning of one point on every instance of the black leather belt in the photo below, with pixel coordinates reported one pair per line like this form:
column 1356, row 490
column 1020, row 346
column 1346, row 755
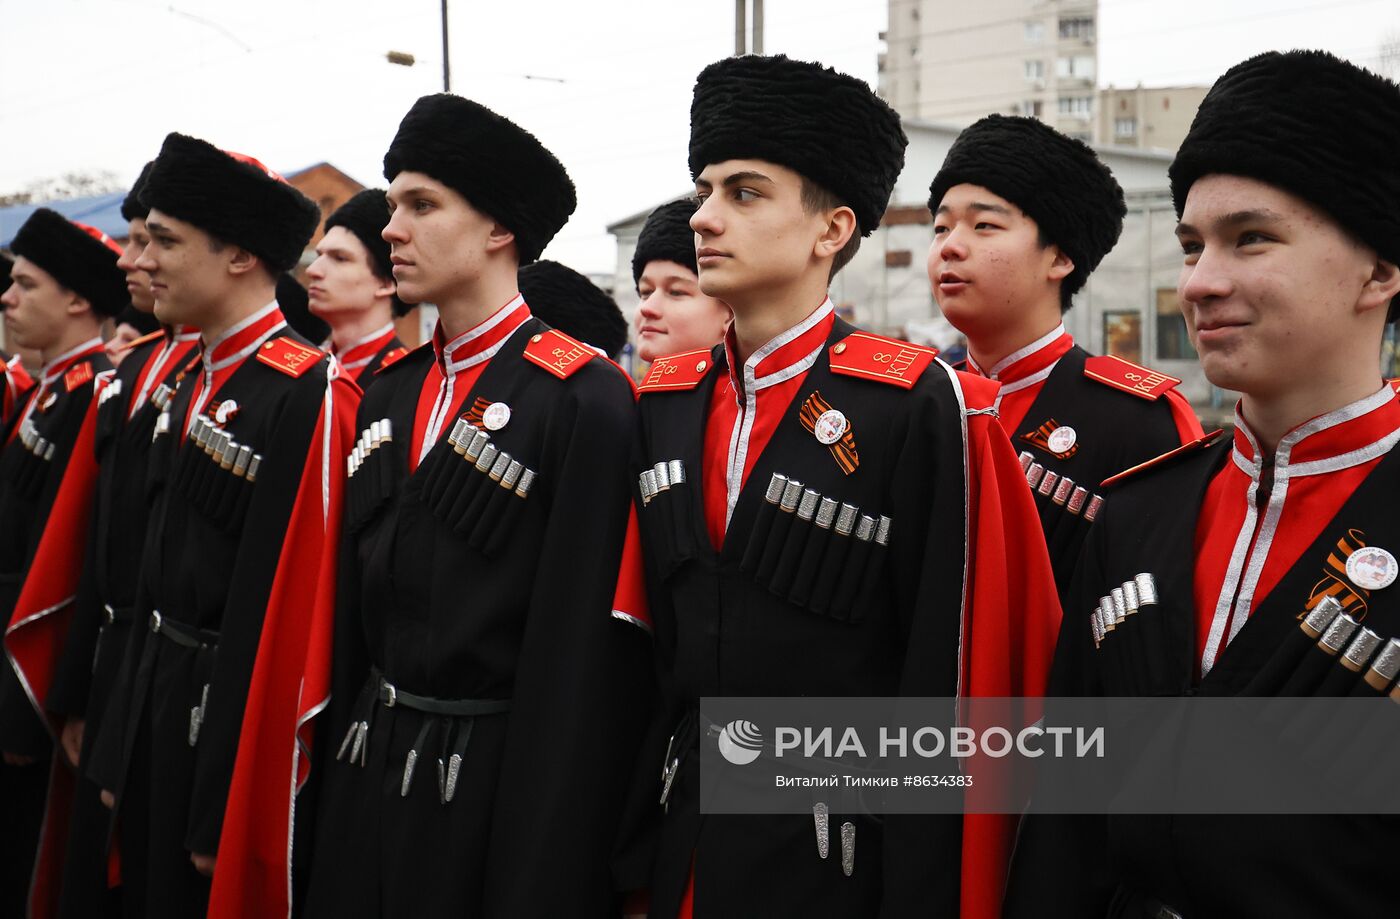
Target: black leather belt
column 186, row 636
column 393, row 697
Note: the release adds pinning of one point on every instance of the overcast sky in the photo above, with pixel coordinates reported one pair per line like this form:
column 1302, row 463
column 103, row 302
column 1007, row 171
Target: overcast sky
column 96, row 84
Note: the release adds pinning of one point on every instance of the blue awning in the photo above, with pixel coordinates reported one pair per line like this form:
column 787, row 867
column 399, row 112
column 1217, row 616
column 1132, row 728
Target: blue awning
column 101, row 211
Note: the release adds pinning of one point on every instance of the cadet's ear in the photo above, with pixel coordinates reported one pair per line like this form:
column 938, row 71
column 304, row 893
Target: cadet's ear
column 241, row 261
column 841, row 225
column 1380, row 288
column 1061, row 266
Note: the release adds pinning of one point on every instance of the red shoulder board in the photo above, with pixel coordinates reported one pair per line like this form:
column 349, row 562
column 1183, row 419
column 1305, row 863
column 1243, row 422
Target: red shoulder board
column 1129, row 377
column 558, row 353
column 138, row 342
column 677, row 372
column 289, row 356
column 1170, row 456
column 874, row 357
column 391, row 358
column 78, row 375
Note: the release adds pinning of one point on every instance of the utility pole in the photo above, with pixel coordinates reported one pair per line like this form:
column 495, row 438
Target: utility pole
column 742, row 44
column 446, row 58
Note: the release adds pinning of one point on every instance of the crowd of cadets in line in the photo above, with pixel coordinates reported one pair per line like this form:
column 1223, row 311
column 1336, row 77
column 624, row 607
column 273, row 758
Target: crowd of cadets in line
column 458, row 604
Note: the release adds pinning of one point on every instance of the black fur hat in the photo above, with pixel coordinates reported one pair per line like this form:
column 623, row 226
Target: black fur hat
column 295, row 305
column 6, row 263
column 571, row 303
column 826, row 125
column 132, row 208
column 499, row 167
column 233, row 198
column 666, row 236
column 1059, row 182
column 1312, row 124
column 365, row 215
column 79, row 257
column 144, row 323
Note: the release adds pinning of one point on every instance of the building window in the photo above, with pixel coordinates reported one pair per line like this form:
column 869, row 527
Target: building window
column 1077, row 106
column 1035, row 108
column 1035, row 70
column 1122, row 334
column 1173, row 344
column 1124, row 127
column 1034, row 32
column 1081, row 27
column 901, row 258
column 1080, row 67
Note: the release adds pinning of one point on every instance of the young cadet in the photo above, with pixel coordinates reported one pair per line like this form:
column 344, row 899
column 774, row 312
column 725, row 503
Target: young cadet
column 1022, row 215
column 818, row 506
column 14, row 379
column 674, row 315
column 245, row 473
column 568, row 301
column 351, row 287
column 126, row 412
column 66, row 282
column 478, row 710
column 1290, row 234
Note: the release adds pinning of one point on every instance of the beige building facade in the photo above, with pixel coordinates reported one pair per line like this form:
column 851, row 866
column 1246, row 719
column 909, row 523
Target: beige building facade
column 1147, row 118
column 954, row 62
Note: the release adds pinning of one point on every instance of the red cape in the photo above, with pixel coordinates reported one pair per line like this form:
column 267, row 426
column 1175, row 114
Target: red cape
column 290, row 681
column 36, row 632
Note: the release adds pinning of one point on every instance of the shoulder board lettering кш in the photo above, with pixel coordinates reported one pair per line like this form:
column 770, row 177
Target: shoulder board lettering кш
column 558, row 353
column 677, row 371
column 289, row 356
column 887, row 360
column 1129, row 377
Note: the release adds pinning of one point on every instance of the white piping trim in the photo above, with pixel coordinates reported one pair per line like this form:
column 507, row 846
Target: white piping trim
column 442, row 405
column 1037, row 377
column 1233, row 607
column 1045, row 340
column 739, row 437
column 967, row 510
column 631, row 620
column 383, row 332
column 210, row 368
column 49, row 373
column 239, row 326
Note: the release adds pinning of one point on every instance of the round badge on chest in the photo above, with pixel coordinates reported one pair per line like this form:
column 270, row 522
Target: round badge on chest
column 830, row 426
column 1372, row 568
column 1062, row 439
column 496, row 416
column 226, row 412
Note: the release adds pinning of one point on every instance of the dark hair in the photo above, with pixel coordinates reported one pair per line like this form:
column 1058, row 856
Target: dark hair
column 816, row 199
column 1066, row 294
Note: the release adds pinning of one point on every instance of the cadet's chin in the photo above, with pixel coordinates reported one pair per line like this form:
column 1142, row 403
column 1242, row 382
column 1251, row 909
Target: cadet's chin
column 1225, row 371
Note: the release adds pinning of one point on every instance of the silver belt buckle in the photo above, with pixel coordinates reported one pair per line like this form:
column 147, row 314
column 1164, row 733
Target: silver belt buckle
column 155, row 620
column 111, row 613
column 393, row 694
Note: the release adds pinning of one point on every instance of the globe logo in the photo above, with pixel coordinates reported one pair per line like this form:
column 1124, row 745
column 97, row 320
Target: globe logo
column 741, row 742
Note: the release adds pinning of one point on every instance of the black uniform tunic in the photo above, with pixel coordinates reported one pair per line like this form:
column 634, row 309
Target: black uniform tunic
column 1208, row 865
column 457, row 588
column 103, row 612
column 38, row 442
column 169, row 739
column 787, row 607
